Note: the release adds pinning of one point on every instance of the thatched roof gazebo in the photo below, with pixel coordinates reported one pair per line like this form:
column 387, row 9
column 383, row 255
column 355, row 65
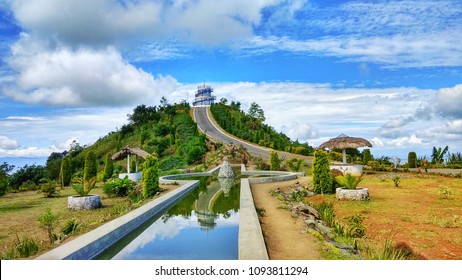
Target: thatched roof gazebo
column 343, row 142
column 126, row 153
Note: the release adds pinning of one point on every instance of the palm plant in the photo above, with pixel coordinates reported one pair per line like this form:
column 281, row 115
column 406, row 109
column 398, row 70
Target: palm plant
column 349, row 181
column 82, row 188
column 438, row 155
column 295, row 164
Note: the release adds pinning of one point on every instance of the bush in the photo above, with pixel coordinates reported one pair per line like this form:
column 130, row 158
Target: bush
column 150, row 176
column 295, row 164
column 108, row 168
column 83, row 188
column 49, row 188
column 26, row 247
column 90, row 170
column 367, row 156
column 322, row 176
column 349, row 181
column 275, row 161
column 172, row 162
column 65, row 174
column 326, row 211
column 48, row 222
column 412, row 160
column 71, row 227
column 118, row 187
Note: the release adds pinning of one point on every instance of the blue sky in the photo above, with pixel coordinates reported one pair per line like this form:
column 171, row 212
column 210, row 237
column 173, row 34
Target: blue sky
column 388, row 71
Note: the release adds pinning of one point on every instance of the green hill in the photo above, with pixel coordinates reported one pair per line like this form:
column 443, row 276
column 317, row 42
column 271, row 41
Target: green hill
column 168, row 131
column 251, row 127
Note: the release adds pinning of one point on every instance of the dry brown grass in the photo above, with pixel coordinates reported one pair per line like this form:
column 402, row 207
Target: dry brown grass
column 415, row 213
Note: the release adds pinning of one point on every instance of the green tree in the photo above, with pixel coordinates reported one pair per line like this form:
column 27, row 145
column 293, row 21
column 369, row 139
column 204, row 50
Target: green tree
column 256, row 112
column 53, row 165
column 65, row 174
column 150, row 177
column 322, row 177
column 367, row 156
column 5, row 168
column 108, row 168
column 438, row 155
column 223, row 101
column 48, row 222
column 412, row 159
column 275, row 161
column 89, row 170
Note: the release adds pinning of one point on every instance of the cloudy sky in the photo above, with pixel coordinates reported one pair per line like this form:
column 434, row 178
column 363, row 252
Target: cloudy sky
column 388, row 71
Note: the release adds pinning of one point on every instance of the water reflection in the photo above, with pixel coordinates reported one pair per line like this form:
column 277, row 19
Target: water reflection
column 203, row 225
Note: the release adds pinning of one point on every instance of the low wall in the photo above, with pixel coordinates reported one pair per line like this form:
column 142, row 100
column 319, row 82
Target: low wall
column 135, row 177
column 353, row 169
column 251, row 242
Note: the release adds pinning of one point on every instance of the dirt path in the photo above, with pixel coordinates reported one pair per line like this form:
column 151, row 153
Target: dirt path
column 284, row 235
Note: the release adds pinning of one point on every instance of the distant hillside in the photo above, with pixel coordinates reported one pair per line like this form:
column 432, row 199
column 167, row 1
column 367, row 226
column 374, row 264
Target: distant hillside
column 251, row 127
column 168, row 130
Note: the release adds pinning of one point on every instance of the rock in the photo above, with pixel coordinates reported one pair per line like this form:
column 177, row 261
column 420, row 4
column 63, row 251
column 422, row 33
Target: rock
column 310, row 223
column 83, row 202
column 310, row 210
column 356, row 194
column 324, row 230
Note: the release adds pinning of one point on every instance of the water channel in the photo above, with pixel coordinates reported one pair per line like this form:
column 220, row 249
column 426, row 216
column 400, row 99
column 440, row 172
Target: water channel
column 204, row 225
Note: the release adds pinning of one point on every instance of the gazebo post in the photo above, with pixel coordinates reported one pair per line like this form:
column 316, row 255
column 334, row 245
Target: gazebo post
column 136, row 164
column 344, row 156
column 128, row 163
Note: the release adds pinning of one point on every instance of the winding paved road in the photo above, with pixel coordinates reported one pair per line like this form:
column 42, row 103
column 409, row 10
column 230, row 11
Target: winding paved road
column 208, row 127
column 205, row 124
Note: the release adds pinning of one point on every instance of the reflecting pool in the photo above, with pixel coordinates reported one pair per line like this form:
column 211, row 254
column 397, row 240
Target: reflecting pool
column 203, row 225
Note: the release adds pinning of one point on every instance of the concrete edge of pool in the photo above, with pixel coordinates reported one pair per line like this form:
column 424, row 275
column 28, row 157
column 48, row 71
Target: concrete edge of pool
column 250, row 240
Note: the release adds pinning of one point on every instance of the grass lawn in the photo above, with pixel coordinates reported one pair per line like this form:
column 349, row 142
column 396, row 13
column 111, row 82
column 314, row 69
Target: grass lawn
column 19, row 213
column 424, row 212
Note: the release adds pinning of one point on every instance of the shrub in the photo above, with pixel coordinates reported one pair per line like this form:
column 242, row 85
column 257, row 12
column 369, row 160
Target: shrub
column 355, row 226
column 367, row 156
column 322, row 176
column 349, row 181
column 412, row 160
column 89, row 170
column 26, row 247
column 275, row 161
column 326, row 211
column 48, row 222
column 83, row 188
column 49, row 188
column 65, row 172
column 71, row 226
column 118, row 187
column 386, row 252
column 396, row 179
column 295, row 164
column 108, row 168
column 444, row 192
column 150, row 176
column 172, row 162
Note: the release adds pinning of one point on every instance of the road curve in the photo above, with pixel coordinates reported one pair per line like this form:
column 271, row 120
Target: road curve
column 208, row 127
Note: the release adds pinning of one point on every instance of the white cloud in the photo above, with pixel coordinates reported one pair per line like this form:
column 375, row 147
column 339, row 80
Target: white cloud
column 407, row 50
column 98, row 23
column 7, row 143
column 449, row 102
column 90, row 23
column 301, row 131
column 81, row 77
